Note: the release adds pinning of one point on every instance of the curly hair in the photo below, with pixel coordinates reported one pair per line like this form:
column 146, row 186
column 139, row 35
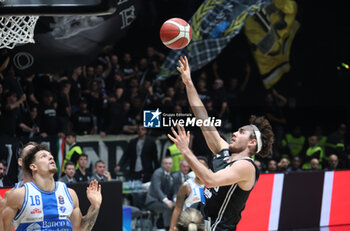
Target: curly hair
column 266, row 133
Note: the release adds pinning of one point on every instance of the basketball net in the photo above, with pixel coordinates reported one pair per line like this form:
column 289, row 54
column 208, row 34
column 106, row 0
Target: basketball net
column 16, row 30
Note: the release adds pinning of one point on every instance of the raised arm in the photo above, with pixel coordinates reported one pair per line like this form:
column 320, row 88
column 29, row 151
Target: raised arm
column 87, row 222
column 211, row 135
column 240, row 172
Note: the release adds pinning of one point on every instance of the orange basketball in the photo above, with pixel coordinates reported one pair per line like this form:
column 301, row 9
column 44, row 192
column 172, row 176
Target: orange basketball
column 175, row 33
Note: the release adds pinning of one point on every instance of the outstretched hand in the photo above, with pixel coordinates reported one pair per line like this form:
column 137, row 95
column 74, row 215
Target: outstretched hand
column 181, row 138
column 184, row 70
column 93, row 193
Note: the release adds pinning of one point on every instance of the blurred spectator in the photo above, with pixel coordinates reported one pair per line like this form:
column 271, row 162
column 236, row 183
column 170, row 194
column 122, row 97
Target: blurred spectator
column 283, row 165
column 219, row 98
column 180, row 176
column 294, row 143
column 4, row 180
column 128, row 67
column 95, row 102
column 313, row 151
column 159, row 197
column 336, row 143
column 140, row 158
column 296, row 164
column 83, row 120
column 64, row 109
column 74, row 150
column 29, row 123
column 11, row 114
column 202, row 90
column 28, row 89
column 271, row 166
column 322, row 139
column 47, row 118
column 315, row 164
column 78, row 84
column 177, row 157
column 10, row 82
column 333, row 162
column 100, row 173
column 69, row 171
column 82, row 174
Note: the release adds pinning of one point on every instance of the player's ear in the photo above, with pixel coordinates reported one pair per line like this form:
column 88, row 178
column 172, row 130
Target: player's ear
column 32, row 167
column 252, row 144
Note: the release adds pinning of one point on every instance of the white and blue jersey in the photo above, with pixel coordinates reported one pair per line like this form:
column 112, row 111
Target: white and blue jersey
column 42, row 210
column 196, row 197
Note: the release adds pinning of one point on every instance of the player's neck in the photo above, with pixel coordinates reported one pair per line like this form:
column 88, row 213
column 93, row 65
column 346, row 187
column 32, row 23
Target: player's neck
column 240, row 155
column 26, row 177
column 46, row 183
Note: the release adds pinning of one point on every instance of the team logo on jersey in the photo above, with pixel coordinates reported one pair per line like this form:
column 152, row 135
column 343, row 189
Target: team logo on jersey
column 207, row 193
column 36, row 211
column 60, row 199
column 63, row 209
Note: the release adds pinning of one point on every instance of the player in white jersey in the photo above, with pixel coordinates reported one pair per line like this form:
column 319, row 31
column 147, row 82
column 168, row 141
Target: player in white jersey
column 189, row 195
column 44, row 204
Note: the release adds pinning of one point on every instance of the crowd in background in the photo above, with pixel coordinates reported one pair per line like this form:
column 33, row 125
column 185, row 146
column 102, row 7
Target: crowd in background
column 108, row 96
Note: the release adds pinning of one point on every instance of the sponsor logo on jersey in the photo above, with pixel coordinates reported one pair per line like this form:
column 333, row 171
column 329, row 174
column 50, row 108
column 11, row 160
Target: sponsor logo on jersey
column 36, row 211
column 63, row 209
column 60, row 199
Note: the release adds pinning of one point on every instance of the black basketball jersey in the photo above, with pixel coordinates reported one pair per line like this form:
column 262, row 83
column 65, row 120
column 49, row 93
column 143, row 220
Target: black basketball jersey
column 224, row 204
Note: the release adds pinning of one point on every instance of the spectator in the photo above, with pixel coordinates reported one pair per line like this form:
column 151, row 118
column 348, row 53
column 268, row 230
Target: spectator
column 74, row 150
column 28, row 89
column 333, row 162
column 128, row 67
column 82, row 174
column 69, row 171
column 29, row 123
column 101, row 175
column 314, row 151
column 159, row 197
column 140, row 157
column 83, row 120
column 283, row 165
column 64, row 109
column 315, row 164
column 11, row 114
column 294, row 143
column 218, row 95
column 78, row 84
column 95, row 102
column 4, row 180
column 47, row 118
column 336, row 143
column 271, row 166
column 181, row 176
column 176, row 155
column 296, row 163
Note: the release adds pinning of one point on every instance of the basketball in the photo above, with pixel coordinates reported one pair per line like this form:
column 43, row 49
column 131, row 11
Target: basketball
column 175, row 33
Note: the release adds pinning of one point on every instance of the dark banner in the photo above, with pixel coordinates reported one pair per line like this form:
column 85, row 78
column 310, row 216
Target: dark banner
column 64, row 42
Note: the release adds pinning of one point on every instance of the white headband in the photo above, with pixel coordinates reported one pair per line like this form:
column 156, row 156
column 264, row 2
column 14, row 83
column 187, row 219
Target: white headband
column 258, row 137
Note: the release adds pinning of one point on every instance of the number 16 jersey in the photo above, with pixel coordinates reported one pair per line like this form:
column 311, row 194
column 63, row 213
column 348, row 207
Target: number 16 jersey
column 42, row 210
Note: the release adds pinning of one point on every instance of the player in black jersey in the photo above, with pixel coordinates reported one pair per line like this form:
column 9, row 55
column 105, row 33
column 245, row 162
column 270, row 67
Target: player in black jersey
column 234, row 173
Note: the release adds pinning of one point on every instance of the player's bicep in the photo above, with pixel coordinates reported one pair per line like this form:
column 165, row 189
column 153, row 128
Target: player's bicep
column 76, row 216
column 213, row 139
column 236, row 173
